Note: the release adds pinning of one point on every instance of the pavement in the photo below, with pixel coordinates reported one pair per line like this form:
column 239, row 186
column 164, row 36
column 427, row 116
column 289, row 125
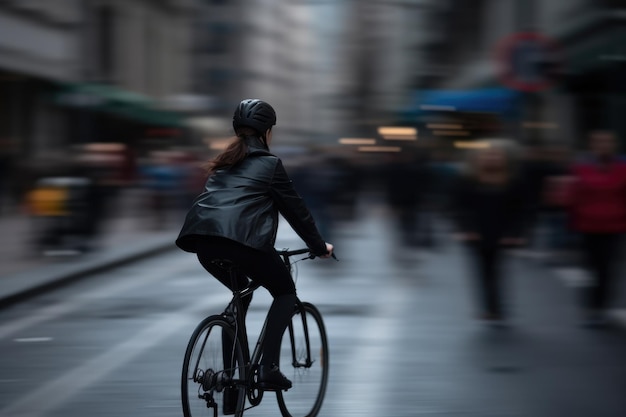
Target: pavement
column 128, row 234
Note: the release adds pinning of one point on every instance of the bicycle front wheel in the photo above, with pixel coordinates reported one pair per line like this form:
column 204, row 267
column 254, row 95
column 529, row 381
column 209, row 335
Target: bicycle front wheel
column 304, row 360
column 212, row 382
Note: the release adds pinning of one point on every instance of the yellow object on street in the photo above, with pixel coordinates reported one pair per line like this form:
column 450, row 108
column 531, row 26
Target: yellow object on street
column 48, row 201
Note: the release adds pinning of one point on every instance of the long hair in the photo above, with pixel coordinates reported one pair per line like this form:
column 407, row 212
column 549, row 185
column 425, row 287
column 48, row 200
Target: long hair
column 234, row 153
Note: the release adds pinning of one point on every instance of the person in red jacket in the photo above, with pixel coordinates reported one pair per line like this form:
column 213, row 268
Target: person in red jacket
column 598, row 210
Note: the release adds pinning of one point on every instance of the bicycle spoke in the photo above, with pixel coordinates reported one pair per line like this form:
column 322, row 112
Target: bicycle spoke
column 212, row 365
column 304, row 360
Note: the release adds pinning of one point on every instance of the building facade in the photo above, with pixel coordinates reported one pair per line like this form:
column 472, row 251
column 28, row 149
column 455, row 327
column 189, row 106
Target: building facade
column 586, row 89
column 331, row 68
column 255, row 49
column 80, row 71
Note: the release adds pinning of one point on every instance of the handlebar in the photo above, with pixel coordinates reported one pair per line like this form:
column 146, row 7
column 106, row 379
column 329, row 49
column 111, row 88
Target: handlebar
column 286, row 253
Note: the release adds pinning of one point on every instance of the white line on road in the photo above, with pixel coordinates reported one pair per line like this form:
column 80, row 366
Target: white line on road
column 59, row 391
column 32, row 339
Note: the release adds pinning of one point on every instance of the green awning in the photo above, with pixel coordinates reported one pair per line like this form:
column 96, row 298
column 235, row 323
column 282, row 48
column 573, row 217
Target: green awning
column 117, row 101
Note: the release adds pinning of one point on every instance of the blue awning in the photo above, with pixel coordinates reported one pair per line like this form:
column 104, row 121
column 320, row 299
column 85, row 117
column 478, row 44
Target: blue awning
column 495, row 100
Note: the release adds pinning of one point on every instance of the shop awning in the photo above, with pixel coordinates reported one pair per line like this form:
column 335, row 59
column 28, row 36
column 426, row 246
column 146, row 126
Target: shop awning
column 117, row 101
column 493, row 100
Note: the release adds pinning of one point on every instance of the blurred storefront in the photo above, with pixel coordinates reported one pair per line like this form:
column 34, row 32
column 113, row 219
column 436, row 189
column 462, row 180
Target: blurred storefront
column 584, row 86
column 39, row 47
column 595, row 47
column 80, row 72
column 450, row 117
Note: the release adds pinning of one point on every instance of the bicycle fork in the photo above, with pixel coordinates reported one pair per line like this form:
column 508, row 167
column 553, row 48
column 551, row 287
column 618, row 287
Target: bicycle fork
column 294, row 355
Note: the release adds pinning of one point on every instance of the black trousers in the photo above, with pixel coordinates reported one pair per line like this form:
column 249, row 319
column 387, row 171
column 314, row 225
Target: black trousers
column 266, row 268
column 487, row 260
column 601, row 250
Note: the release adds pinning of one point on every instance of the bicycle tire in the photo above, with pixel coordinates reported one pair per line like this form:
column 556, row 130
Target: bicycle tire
column 306, row 396
column 205, row 380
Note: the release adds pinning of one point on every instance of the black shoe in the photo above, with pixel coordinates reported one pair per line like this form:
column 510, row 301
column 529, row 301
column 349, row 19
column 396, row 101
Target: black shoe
column 271, row 379
column 231, row 395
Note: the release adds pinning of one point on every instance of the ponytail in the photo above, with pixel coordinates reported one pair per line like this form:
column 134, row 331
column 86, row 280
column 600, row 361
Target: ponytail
column 234, row 154
column 236, row 151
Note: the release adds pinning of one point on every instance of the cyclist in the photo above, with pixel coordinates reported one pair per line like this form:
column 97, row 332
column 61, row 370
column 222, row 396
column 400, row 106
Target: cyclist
column 236, row 218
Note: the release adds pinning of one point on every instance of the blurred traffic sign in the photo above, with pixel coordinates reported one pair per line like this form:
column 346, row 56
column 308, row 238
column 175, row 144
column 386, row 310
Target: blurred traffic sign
column 527, row 61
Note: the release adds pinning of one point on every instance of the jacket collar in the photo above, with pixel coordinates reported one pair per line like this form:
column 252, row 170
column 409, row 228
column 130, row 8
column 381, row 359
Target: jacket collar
column 255, row 145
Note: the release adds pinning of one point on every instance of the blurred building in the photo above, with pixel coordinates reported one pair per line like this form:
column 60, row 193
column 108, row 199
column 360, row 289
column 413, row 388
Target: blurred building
column 583, row 68
column 328, row 67
column 39, row 50
column 385, row 38
column 82, row 71
column 254, row 50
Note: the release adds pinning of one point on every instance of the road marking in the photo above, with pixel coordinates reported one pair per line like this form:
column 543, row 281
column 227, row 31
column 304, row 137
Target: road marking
column 55, row 311
column 32, row 339
column 60, row 390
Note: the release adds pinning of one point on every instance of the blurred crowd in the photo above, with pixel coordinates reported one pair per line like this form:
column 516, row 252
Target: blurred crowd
column 567, row 204
column 69, row 203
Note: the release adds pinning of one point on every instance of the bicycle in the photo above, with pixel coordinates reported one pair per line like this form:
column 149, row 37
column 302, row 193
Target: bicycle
column 218, row 368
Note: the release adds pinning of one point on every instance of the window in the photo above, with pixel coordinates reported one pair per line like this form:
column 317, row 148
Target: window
column 217, row 37
column 105, row 32
column 218, row 80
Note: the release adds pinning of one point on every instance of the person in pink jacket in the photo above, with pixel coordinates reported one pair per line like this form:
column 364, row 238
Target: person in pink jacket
column 598, row 213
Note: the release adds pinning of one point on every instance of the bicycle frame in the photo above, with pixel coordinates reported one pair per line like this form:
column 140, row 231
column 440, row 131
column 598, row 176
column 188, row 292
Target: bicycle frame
column 241, row 334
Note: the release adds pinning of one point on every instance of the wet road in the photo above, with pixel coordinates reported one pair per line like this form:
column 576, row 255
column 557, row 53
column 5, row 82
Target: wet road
column 402, row 340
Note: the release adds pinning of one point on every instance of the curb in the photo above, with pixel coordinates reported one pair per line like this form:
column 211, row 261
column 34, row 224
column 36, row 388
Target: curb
column 46, row 278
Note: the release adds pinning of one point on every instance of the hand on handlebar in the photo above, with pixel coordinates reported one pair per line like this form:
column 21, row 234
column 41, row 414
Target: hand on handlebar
column 329, row 250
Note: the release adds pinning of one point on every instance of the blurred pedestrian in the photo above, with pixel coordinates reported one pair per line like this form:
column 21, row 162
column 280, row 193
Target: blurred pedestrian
column 95, row 168
column 164, row 182
column 535, row 169
column 598, row 210
column 316, row 179
column 404, row 186
column 4, row 176
column 556, row 194
column 489, row 207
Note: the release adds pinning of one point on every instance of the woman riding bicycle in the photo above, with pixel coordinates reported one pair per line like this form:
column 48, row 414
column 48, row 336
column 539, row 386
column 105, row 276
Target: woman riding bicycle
column 236, row 218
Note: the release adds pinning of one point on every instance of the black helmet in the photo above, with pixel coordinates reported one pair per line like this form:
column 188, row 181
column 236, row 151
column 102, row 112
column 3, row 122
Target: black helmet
column 254, row 113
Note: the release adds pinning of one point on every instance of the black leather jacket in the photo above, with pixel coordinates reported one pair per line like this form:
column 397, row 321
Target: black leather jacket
column 242, row 203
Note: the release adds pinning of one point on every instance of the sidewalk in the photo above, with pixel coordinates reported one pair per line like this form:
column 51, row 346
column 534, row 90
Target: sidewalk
column 127, row 236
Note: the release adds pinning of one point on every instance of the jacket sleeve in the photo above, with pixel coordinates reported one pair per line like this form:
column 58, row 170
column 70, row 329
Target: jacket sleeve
column 293, row 209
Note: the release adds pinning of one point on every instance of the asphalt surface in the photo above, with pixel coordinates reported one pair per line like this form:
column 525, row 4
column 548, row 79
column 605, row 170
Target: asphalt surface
column 401, row 323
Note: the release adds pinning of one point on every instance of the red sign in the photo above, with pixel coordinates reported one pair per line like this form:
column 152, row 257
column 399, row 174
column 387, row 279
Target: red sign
column 526, row 61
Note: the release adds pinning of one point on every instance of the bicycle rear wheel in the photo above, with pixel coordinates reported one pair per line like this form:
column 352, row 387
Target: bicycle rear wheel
column 304, row 360
column 213, row 371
